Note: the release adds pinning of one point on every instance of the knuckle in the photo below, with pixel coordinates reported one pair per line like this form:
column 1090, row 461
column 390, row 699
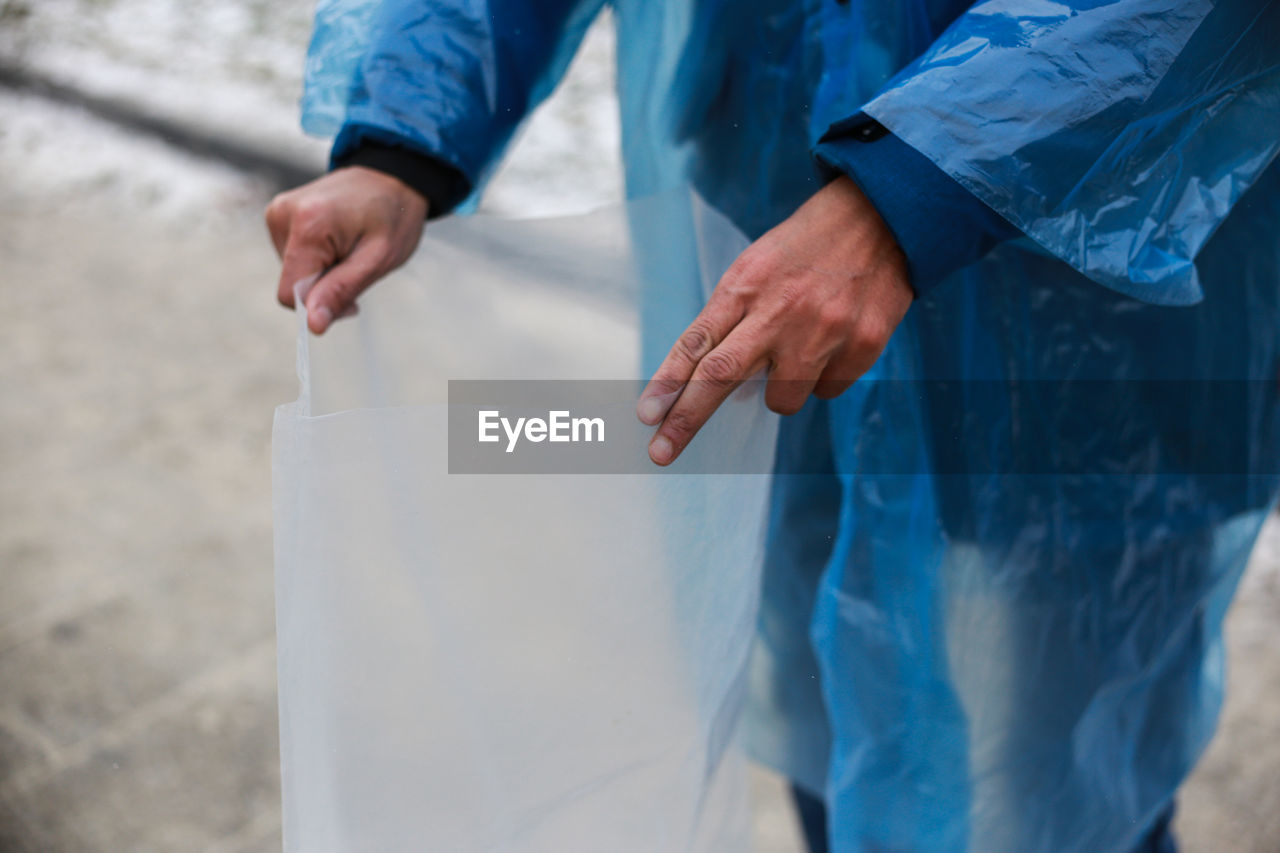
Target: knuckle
column 679, row 425
column 753, row 265
column 870, row 334
column 311, row 218
column 279, row 211
column 695, row 341
column 832, row 315
column 275, row 211
column 720, row 368
column 792, row 293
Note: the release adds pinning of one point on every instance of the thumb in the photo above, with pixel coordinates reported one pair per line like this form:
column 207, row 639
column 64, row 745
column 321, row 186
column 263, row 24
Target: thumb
column 334, row 294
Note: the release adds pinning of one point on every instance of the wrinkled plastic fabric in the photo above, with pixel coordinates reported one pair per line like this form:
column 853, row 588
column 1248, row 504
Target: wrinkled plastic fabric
column 966, row 661
column 512, row 662
column 1022, row 661
column 479, row 70
column 1118, row 135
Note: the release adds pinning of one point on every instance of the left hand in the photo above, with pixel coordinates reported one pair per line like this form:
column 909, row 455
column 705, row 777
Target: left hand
column 814, row 300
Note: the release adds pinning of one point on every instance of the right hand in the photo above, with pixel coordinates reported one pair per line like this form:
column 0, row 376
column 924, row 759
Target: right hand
column 350, row 228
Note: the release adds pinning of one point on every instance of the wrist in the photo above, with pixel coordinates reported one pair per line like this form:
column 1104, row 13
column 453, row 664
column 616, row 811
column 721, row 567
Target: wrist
column 438, row 184
column 939, row 225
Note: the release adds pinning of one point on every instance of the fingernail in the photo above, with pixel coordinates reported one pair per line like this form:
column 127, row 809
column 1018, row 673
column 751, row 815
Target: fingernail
column 323, row 317
column 651, row 410
column 660, row 450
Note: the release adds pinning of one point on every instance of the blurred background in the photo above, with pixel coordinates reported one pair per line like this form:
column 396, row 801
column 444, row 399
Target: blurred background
column 141, row 356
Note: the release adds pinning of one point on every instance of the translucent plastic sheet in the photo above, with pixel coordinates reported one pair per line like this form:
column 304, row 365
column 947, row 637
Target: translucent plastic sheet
column 514, row 663
column 959, row 656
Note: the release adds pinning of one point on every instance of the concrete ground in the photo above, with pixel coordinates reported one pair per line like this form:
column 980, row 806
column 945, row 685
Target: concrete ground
column 140, row 365
column 141, row 356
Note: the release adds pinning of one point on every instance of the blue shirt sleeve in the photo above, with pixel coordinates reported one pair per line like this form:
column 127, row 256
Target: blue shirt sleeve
column 939, row 225
column 449, row 80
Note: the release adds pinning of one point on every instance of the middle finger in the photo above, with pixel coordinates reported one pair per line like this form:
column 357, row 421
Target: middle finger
column 721, row 370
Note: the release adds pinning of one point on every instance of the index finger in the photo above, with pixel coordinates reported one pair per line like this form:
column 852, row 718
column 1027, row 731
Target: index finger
column 723, row 369
column 302, row 259
column 712, row 325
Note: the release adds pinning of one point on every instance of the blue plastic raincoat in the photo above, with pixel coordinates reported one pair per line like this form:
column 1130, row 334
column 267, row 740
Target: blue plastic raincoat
column 1001, row 561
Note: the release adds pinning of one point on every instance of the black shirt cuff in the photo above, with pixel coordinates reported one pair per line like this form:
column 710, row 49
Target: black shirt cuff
column 442, row 185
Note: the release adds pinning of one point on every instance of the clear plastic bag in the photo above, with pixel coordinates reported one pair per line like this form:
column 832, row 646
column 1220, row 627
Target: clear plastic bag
column 513, row 662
